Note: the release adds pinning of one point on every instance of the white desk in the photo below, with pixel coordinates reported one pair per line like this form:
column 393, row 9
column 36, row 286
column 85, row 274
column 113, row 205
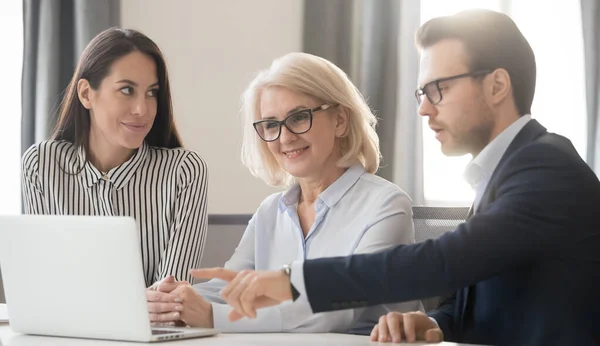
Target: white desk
column 9, row 338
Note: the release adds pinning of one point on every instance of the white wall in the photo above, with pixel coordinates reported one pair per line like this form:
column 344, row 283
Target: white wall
column 213, row 49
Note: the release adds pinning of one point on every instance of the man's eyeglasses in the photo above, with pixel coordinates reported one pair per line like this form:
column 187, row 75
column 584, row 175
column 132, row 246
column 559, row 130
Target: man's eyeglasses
column 432, row 89
column 298, row 123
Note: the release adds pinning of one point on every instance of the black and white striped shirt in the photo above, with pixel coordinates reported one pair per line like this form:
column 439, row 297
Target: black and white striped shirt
column 164, row 190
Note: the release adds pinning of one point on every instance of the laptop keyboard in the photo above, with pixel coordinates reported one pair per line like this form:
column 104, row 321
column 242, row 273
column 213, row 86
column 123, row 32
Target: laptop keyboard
column 165, row 331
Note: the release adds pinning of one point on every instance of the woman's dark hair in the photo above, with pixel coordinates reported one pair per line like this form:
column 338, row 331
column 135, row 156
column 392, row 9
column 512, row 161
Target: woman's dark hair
column 492, row 41
column 94, row 65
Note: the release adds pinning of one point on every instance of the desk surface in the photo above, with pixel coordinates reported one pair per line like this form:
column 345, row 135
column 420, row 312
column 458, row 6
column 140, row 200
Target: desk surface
column 9, row 338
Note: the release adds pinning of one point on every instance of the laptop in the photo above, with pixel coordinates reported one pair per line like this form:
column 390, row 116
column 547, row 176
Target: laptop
column 78, row 276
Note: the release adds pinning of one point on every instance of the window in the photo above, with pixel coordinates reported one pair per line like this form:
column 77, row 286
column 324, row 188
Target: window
column 11, row 36
column 559, row 102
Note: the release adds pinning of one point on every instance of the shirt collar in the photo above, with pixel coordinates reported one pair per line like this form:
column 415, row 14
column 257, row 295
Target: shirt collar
column 118, row 176
column 484, row 164
column 332, row 195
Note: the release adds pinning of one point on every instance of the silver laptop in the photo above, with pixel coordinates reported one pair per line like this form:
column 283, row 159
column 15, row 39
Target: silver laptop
column 78, row 276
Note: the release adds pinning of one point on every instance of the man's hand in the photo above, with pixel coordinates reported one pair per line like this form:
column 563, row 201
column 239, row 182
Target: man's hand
column 411, row 326
column 249, row 290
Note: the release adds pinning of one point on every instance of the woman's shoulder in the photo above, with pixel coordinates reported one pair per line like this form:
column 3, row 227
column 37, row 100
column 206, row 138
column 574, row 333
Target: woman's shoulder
column 265, row 215
column 49, row 151
column 377, row 197
column 182, row 157
column 270, row 204
column 374, row 184
column 49, row 147
column 182, row 153
column 187, row 164
column 42, row 157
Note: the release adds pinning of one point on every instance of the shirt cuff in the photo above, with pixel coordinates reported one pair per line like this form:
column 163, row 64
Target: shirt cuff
column 267, row 320
column 297, row 279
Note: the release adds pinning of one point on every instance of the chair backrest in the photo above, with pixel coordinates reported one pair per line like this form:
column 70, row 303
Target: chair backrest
column 2, row 299
column 223, row 236
column 431, row 223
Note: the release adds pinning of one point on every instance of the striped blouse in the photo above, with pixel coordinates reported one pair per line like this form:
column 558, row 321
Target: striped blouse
column 164, row 190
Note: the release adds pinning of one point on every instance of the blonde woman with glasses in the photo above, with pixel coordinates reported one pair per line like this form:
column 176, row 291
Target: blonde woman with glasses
column 306, row 128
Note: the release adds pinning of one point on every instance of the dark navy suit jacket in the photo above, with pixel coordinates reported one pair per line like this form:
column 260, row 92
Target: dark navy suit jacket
column 524, row 270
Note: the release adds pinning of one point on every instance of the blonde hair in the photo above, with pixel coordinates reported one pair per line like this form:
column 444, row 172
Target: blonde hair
column 321, row 79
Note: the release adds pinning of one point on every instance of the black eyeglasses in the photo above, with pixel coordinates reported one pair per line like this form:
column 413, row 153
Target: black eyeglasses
column 298, row 123
column 432, row 89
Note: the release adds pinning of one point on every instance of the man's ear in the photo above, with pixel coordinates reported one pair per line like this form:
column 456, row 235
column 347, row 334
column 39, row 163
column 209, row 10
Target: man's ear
column 500, row 87
column 84, row 91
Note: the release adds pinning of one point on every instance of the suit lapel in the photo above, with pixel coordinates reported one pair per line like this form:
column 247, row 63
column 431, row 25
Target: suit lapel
column 464, row 293
column 470, row 213
column 528, row 133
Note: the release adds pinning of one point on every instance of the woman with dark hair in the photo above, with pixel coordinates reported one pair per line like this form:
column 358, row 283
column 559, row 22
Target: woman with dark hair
column 115, row 151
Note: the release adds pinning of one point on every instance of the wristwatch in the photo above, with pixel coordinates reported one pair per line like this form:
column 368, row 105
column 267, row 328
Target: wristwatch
column 287, row 269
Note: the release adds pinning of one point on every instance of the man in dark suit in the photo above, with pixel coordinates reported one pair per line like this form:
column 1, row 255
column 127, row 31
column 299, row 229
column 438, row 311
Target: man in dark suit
column 524, row 269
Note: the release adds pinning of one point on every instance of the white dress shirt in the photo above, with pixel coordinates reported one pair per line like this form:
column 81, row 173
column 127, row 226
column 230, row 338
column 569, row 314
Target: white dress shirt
column 358, row 213
column 164, row 190
column 479, row 171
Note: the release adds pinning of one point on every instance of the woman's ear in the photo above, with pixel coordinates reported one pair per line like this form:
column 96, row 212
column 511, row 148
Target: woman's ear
column 342, row 119
column 84, row 91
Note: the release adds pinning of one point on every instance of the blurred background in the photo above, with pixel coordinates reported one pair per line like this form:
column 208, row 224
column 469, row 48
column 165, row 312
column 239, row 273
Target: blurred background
column 214, row 48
